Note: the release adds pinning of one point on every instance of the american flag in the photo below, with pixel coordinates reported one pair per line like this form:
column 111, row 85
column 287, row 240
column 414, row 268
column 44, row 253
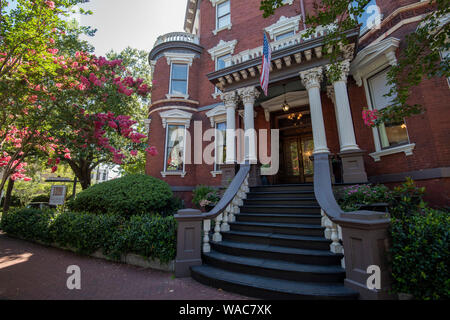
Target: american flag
column 265, row 71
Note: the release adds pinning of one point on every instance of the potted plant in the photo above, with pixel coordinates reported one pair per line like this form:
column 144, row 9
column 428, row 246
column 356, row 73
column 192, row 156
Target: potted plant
column 205, row 197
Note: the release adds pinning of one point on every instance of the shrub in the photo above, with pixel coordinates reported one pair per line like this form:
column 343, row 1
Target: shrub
column 204, row 195
column 149, row 236
column 354, row 197
column 83, row 232
column 421, row 256
column 30, row 224
column 41, row 198
column 127, row 196
column 407, row 199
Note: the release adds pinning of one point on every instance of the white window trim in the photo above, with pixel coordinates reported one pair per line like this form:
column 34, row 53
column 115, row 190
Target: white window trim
column 215, row 4
column 182, row 173
column 175, row 117
column 171, row 95
column 215, row 147
column 284, row 25
column 370, row 61
column 216, row 173
column 406, row 148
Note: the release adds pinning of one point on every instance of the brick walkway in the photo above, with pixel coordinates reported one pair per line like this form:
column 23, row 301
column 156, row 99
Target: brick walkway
column 32, row 271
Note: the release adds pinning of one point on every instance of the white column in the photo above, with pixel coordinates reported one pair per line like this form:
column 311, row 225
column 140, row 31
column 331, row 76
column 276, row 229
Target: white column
column 248, row 96
column 330, row 94
column 311, row 79
column 343, row 112
column 230, row 100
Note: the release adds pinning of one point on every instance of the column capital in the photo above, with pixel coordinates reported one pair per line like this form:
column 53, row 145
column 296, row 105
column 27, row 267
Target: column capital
column 330, row 94
column 230, row 99
column 344, row 70
column 312, row 77
column 248, row 94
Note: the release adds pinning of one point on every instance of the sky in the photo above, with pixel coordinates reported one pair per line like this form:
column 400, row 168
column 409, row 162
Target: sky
column 135, row 23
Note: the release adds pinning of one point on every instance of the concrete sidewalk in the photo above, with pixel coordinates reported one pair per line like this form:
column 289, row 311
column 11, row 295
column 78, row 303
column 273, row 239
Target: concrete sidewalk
column 35, row 272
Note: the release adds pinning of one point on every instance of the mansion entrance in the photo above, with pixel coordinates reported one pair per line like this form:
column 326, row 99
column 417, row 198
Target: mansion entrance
column 296, row 146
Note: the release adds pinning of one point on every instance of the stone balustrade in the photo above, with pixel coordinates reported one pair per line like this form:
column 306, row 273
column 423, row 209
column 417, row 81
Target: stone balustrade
column 178, row 37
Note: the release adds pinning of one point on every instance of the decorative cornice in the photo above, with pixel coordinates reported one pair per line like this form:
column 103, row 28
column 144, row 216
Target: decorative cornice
column 312, row 77
column 248, row 94
column 222, row 48
column 218, row 114
column 374, row 56
column 178, row 57
column 176, row 116
column 284, row 25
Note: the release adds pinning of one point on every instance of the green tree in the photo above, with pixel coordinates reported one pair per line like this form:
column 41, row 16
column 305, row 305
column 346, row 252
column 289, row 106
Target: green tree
column 420, row 59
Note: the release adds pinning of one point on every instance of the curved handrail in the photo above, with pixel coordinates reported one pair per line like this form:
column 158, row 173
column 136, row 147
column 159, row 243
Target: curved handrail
column 226, row 199
column 323, row 188
column 231, row 192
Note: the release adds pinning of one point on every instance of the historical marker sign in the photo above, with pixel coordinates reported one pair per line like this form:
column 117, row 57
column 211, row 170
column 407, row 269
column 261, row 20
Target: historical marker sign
column 58, row 195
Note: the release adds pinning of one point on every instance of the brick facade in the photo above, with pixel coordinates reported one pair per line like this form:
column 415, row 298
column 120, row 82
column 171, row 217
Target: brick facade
column 429, row 131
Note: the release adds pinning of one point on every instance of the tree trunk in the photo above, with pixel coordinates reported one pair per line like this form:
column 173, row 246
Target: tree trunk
column 7, row 201
column 83, row 172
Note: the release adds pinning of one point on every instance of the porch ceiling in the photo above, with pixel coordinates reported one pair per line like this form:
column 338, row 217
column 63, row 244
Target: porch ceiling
column 286, row 63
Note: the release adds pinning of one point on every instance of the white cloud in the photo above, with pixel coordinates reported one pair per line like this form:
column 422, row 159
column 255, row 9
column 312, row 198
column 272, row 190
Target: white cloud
column 135, row 23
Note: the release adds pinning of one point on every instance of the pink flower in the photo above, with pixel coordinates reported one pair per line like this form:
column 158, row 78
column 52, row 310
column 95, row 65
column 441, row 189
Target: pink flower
column 152, row 151
column 54, row 169
column 133, row 153
column 67, row 156
column 51, row 40
column 50, row 4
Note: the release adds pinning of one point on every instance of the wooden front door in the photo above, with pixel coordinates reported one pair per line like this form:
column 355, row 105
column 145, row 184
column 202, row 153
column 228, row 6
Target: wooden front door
column 296, row 166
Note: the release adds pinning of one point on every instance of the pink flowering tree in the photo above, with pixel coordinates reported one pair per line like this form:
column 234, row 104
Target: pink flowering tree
column 90, row 111
column 27, row 32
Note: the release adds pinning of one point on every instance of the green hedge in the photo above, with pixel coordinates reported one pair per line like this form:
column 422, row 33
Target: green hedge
column 151, row 236
column 127, row 196
column 421, row 255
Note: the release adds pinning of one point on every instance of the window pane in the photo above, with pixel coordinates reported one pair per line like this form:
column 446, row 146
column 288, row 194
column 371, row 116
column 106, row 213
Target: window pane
column 224, row 21
column 221, row 140
column 284, row 35
column 223, row 9
column 179, row 87
column 175, row 148
column 378, row 88
column 179, row 71
column 396, row 134
column 221, row 61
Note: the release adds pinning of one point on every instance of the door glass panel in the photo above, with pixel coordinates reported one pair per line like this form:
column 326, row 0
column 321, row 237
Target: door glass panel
column 307, row 151
column 293, row 149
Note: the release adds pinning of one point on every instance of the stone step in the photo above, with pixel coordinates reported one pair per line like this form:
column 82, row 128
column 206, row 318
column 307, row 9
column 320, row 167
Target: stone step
column 277, row 227
column 257, row 250
column 269, row 288
column 275, row 268
column 283, row 201
column 281, row 218
column 281, row 194
column 284, row 187
column 281, row 208
column 283, row 240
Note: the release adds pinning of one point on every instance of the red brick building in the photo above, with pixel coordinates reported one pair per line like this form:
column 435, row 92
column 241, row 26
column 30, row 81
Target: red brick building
column 208, row 78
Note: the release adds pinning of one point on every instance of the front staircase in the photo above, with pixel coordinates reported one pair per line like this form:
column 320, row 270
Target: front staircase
column 276, row 249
